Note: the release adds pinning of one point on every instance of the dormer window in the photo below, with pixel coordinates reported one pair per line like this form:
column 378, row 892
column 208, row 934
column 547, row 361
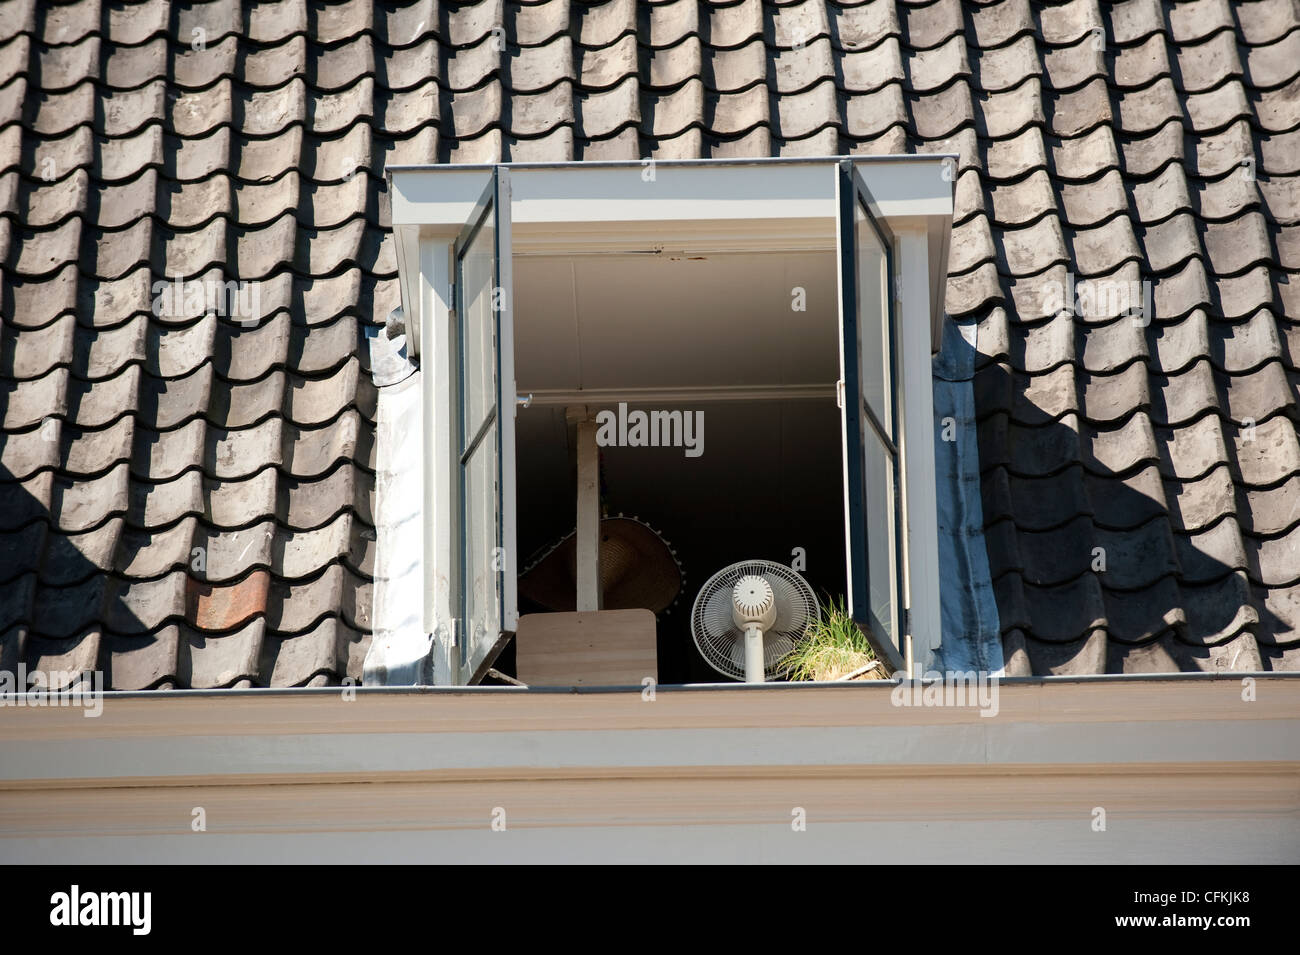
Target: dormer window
column 733, row 355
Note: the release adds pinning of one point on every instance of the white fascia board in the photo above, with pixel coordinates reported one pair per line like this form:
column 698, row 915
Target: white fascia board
column 601, row 193
column 688, row 205
column 691, row 190
column 435, row 195
column 675, row 193
column 920, row 187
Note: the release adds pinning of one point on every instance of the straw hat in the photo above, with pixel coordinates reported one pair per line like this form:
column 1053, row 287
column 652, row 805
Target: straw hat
column 638, row 570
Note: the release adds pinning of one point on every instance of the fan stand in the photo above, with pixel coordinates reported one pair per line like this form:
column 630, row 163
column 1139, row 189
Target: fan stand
column 754, row 654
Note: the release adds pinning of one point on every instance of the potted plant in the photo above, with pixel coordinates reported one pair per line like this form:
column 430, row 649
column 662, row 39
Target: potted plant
column 833, row 648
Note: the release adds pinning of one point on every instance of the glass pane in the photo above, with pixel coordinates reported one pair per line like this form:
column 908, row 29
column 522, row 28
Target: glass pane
column 878, row 482
column 482, row 562
column 873, row 312
column 478, row 327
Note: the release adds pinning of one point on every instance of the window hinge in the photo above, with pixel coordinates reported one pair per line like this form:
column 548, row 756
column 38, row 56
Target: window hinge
column 452, row 629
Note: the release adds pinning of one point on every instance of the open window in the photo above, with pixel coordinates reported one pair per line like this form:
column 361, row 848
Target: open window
column 483, row 381
column 728, row 360
column 773, row 316
column 869, row 363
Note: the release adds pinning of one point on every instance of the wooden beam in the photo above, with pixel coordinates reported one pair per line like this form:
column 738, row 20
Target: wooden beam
column 588, row 533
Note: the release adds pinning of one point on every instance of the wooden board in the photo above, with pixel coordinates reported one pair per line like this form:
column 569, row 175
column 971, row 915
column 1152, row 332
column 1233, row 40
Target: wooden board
column 587, row 648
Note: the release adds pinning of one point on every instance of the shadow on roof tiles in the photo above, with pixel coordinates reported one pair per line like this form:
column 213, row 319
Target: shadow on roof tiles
column 1095, row 570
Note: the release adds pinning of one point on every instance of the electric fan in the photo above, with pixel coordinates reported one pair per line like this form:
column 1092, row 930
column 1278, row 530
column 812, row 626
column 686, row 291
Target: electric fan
column 749, row 615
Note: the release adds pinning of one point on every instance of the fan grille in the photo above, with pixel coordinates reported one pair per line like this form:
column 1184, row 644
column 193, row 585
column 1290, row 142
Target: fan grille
column 722, row 643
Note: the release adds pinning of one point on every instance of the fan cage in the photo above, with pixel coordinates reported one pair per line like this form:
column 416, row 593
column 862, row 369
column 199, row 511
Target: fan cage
column 722, row 643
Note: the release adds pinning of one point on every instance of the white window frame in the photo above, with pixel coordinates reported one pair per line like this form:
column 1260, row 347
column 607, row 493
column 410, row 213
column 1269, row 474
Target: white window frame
column 688, row 206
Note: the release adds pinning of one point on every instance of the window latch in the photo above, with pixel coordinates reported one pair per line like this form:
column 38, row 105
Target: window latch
column 839, row 394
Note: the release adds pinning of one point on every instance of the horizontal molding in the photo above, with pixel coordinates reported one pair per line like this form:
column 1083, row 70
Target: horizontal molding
column 697, row 774
column 1187, row 839
column 554, row 798
column 301, row 736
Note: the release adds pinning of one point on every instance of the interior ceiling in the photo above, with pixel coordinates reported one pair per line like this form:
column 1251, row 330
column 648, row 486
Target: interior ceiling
column 670, row 321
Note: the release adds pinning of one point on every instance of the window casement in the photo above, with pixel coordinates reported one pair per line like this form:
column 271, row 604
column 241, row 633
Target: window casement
column 484, row 394
column 792, row 305
column 873, row 482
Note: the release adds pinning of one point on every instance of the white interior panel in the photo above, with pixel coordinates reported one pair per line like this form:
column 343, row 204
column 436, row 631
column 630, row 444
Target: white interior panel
column 633, row 321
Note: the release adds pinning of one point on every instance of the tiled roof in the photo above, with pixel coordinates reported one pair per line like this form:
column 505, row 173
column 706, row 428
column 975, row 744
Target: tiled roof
column 1141, row 484
column 1108, row 142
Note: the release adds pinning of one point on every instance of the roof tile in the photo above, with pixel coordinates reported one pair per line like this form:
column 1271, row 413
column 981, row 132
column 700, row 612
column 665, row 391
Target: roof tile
column 1160, row 150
